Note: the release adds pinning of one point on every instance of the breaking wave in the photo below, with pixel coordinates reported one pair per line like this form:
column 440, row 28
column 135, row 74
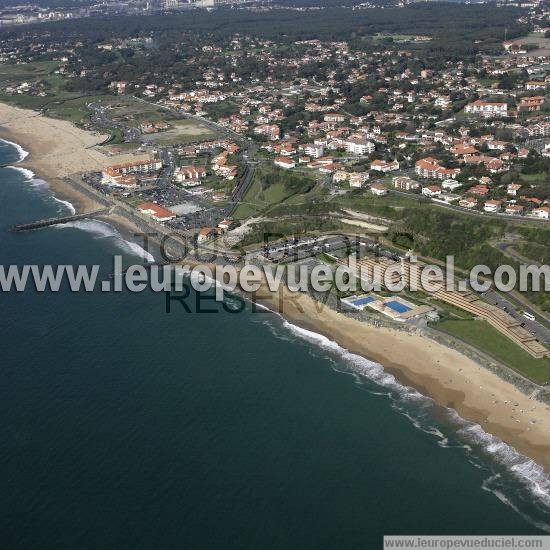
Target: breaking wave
column 504, row 464
column 27, row 174
column 21, row 152
column 68, row 205
column 103, row 230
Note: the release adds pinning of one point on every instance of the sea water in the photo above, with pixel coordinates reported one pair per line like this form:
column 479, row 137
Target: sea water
column 124, row 426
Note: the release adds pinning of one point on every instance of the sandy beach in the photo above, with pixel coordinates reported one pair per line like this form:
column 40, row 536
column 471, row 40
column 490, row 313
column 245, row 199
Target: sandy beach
column 450, row 378
column 57, row 149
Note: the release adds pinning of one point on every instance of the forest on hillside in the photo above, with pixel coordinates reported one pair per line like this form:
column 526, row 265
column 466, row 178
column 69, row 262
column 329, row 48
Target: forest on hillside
column 458, row 30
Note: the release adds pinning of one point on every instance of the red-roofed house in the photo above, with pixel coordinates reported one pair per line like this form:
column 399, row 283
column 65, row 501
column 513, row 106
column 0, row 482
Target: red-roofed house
column 514, row 209
column 431, row 191
column 430, row 168
column 468, row 202
column 383, row 166
column 543, row 212
column 533, row 103
column 284, row 162
column 513, row 189
column 156, row 212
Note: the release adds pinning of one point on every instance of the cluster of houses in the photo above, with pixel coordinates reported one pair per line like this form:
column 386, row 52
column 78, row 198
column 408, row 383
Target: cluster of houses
column 385, row 114
column 476, row 196
column 192, row 175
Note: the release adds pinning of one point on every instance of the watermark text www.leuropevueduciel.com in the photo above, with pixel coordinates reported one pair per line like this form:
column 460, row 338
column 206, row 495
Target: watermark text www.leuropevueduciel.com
column 351, row 272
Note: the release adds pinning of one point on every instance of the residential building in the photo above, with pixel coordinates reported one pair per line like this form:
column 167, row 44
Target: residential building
column 358, row 179
column 340, row 176
column 313, row 150
column 431, row 191
column 514, row 209
column 487, row 108
column 359, row 146
column 543, row 212
column 430, row 168
column 378, row 189
column 450, row 185
column 468, row 202
column 533, row 103
column 384, row 166
column 405, row 183
column 207, row 234
column 334, row 117
column 284, row 162
column 492, row 206
column 189, row 173
column 513, row 189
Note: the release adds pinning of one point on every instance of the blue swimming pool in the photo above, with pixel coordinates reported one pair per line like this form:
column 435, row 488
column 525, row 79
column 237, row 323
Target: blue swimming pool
column 363, row 301
column 398, row 306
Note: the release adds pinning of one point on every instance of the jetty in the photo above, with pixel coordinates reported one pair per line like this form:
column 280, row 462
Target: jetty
column 56, row 221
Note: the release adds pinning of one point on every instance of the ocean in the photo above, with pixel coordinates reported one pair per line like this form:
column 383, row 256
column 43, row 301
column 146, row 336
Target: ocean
column 126, row 427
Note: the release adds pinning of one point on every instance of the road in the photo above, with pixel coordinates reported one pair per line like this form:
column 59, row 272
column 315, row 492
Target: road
column 541, row 332
column 99, row 117
column 300, row 248
column 476, row 213
column 248, row 150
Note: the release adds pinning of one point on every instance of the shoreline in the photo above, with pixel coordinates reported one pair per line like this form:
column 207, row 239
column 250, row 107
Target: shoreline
column 448, row 377
column 451, row 379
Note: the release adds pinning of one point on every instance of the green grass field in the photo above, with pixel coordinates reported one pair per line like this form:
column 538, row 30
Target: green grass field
column 74, row 110
column 483, row 336
column 129, row 109
column 40, row 71
column 181, row 133
column 534, row 179
column 260, row 198
column 26, row 72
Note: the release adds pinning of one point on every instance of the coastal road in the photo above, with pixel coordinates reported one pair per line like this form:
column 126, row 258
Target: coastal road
column 476, row 213
column 536, row 328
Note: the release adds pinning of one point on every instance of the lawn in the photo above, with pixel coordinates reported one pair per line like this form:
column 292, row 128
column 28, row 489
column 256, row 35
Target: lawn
column 534, row 179
column 483, row 336
column 26, row 71
column 387, row 207
column 42, row 71
column 245, row 210
column 133, row 110
column 269, row 189
column 74, row 110
column 182, row 132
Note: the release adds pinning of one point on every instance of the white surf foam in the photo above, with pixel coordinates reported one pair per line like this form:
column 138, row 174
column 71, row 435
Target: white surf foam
column 103, row 230
column 528, row 473
column 27, row 174
column 22, row 153
column 68, row 205
column 489, row 486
